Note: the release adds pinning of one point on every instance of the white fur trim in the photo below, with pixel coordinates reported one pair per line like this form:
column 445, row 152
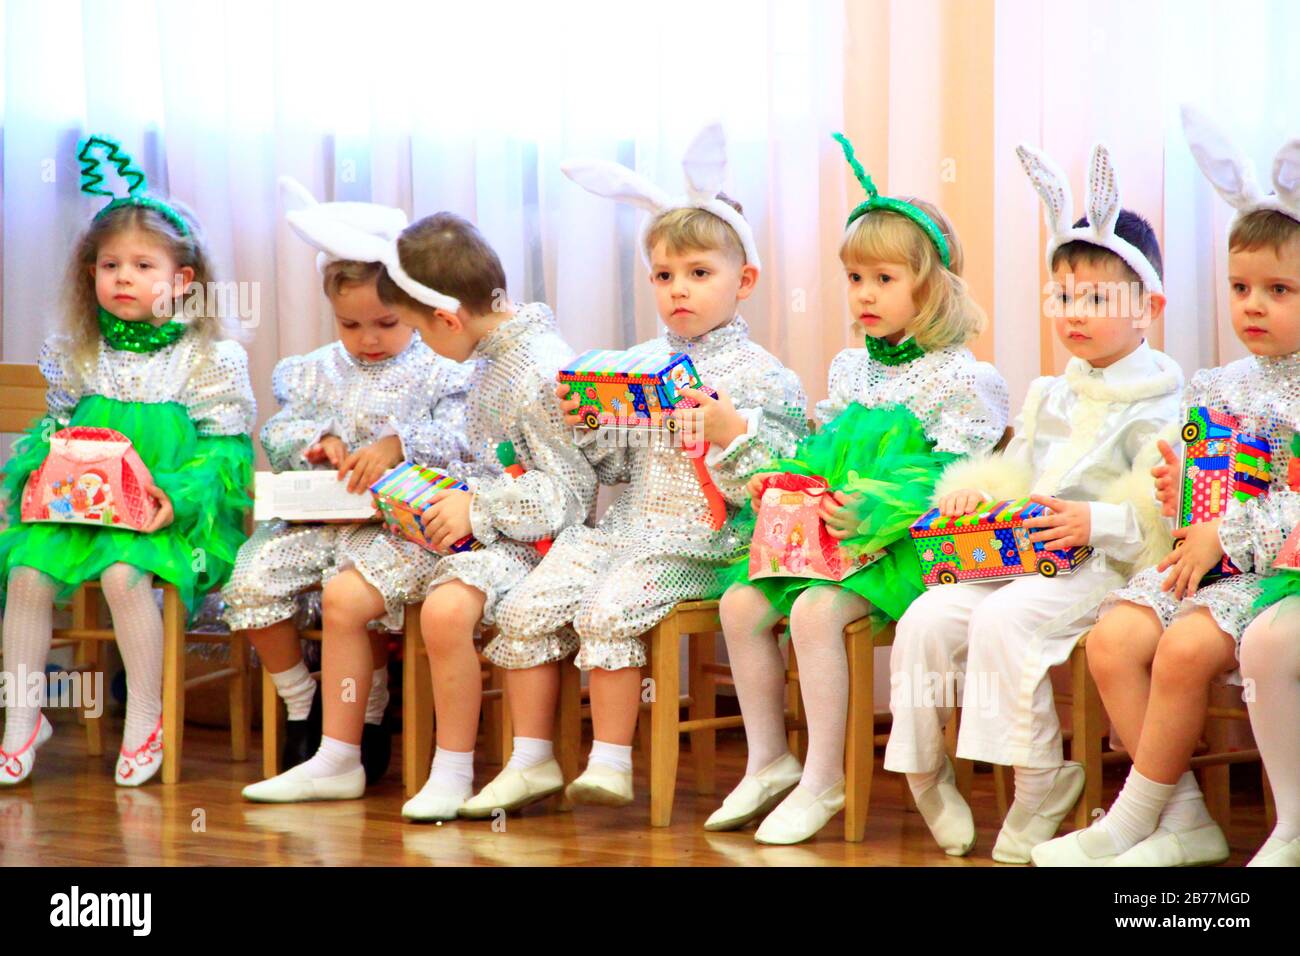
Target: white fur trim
column 1138, row 488
column 1099, row 390
column 994, row 475
column 1232, row 174
column 704, row 165
column 1102, row 204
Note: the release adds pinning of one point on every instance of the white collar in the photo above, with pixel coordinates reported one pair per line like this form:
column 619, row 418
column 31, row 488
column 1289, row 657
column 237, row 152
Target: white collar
column 1143, row 373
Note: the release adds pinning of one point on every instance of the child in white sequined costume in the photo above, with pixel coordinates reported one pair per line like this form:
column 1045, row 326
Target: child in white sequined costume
column 1166, row 637
column 900, row 409
column 657, row 544
column 1084, row 447
column 513, row 417
column 363, row 404
column 142, row 354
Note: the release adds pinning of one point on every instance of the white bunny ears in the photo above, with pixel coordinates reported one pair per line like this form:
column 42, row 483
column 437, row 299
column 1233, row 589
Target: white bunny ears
column 360, row 231
column 1233, row 175
column 1102, row 204
column 705, row 163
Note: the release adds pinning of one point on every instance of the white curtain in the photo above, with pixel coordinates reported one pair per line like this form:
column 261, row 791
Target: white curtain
column 427, row 106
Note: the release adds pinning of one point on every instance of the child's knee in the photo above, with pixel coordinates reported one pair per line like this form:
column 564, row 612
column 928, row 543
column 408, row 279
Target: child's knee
column 449, row 616
column 1191, row 651
column 119, row 579
column 348, row 597
column 1270, row 642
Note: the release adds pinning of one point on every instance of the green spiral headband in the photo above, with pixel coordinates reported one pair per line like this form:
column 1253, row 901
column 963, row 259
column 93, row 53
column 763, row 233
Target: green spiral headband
column 92, row 180
column 876, row 201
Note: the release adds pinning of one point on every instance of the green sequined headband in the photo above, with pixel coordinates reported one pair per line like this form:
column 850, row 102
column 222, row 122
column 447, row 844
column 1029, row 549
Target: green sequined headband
column 94, row 152
column 876, row 201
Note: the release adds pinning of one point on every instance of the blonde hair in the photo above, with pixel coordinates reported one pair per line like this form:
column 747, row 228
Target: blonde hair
column 345, row 272
column 1263, row 227
column 689, row 229
column 946, row 312
column 81, row 306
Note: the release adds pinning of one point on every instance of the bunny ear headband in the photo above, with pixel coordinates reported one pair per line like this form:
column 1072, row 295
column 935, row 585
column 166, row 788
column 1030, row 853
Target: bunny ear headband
column 358, row 231
column 1102, row 204
column 1233, row 175
column 102, row 157
column 705, row 163
column 876, row 201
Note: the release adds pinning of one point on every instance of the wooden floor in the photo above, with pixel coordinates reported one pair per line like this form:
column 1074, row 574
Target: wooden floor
column 71, row 814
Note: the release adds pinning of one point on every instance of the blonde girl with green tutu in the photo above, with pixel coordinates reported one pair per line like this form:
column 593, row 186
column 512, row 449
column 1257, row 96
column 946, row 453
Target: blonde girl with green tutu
column 141, row 353
column 911, row 401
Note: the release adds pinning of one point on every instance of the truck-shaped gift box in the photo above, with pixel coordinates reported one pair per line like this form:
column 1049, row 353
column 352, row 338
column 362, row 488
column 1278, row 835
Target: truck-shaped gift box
column 637, row 388
column 990, row 544
column 1221, row 462
column 401, row 496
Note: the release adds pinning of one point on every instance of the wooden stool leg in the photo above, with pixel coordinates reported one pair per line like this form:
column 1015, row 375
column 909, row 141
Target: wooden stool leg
column 1085, row 747
column 241, row 711
column 568, row 726
column 271, row 727
column 173, row 684
column 702, row 649
column 859, row 737
column 85, row 615
column 964, row 769
column 1214, row 778
column 665, row 717
column 417, row 707
column 492, row 715
column 1002, row 786
column 798, row 737
column 1270, row 805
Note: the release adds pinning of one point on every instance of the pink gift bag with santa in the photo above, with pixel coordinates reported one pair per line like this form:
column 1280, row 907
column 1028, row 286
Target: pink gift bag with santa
column 91, row 476
column 790, row 538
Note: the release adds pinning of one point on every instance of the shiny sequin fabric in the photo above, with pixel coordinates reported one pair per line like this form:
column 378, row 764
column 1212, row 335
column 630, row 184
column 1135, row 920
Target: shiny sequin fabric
column 961, row 404
column 1264, row 392
column 416, row 395
column 512, row 399
column 654, row 546
column 209, row 378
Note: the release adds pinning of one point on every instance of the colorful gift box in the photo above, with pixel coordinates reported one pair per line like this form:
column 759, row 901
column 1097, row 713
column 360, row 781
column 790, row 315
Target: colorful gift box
column 633, row 389
column 401, row 496
column 790, row 538
column 91, row 476
column 1222, row 462
column 990, row 544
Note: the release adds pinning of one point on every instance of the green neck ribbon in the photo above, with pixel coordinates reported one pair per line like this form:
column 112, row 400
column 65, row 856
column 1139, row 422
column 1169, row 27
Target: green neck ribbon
column 137, row 336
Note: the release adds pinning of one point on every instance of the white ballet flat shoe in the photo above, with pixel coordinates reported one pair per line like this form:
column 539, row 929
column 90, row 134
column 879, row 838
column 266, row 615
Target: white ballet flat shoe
column 947, row 814
column 1203, row 846
column 1277, row 852
column 799, row 816
column 757, row 794
column 142, row 764
column 602, row 786
column 1025, row 829
column 17, row 766
column 295, row 786
column 434, row 802
column 513, row 789
column 1070, row 851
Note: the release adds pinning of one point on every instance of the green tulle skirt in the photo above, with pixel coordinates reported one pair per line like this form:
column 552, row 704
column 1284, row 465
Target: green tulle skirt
column 206, row 478
column 1278, row 587
column 883, row 456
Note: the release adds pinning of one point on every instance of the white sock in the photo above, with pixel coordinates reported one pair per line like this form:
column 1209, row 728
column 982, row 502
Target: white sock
column 333, row 758
column 817, row 622
column 377, row 702
column 530, row 752
column 28, row 618
column 1132, row 817
column 1186, row 808
column 614, row 756
column 1033, row 785
column 1270, row 656
column 138, row 628
column 452, row 771
column 758, row 671
column 297, row 688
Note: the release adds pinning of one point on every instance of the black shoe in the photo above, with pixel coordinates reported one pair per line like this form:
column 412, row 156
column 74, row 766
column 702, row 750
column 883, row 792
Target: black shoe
column 376, row 750
column 301, row 737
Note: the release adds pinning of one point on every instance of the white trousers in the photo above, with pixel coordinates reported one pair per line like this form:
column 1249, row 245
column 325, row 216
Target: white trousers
column 988, row 648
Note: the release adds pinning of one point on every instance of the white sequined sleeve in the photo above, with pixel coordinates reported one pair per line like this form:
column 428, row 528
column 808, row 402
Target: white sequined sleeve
column 973, row 412
column 219, row 394
column 438, row 437
column 774, row 405
column 556, row 490
column 64, row 388
column 303, row 418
